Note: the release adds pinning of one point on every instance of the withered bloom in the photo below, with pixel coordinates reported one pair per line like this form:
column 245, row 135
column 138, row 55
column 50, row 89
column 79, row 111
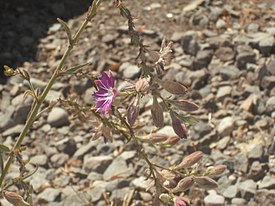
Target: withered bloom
column 180, row 201
column 15, row 199
column 142, row 86
column 178, row 127
column 106, row 92
column 184, row 184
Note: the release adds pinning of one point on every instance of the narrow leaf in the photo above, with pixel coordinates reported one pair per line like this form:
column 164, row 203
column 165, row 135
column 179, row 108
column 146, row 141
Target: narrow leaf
column 188, row 119
column 185, row 105
column 1, row 162
column 4, row 148
column 66, row 28
column 29, row 92
column 157, row 113
column 173, row 87
column 206, row 182
column 76, row 68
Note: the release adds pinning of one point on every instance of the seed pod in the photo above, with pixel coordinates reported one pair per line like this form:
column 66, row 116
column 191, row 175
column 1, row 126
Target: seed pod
column 185, row 105
column 190, row 160
column 15, row 199
column 178, row 127
column 173, row 87
column 133, row 111
column 171, row 141
column 206, row 182
column 157, row 113
column 183, row 185
column 217, row 170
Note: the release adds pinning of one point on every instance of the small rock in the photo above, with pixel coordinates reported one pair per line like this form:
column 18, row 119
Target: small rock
column 85, row 149
column 177, row 36
column 203, row 58
column 189, row 43
column 202, row 129
column 58, row 117
column 271, row 66
column 59, row 159
column 129, row 71
column 238, row 201
column 220, row 24
column 13, row 131
column 214, row 200
column 245, row 57
column 117, row 168
column 67, row 146
column 48, row 195
column 266, row 44
column 252, row 28
column 88, row 98
column 256, row 151
column 97, row 164
column 256, row 171
column 225, row 53
column 223, row 143
column 96, row 193
column 40, row 160
column 267, row 183
column 141, row 183
column 224, row 92
column 241, row 162
column 230, row 192
column 226, row 126
column 38, row 180
column 247, row 188
column 270, row 105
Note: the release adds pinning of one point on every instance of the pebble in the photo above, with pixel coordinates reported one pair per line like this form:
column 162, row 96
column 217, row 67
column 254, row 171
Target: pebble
column 220, row 24
column 270, row 105
column 118, row 168
column 97, row 164
column 13, row 131
column 267, row 183
column 59, row 159
column 141, row 183
column 256, row 151
column 226, row 126
column 245, row 57
column 224, row 92
column 247, row 188
column 39, row 160
column 230, row 192
column 129, row 71
column 214, row 200
column 48, row 195
column 238, row 201
column 85, row 149
column 58, row 117
column 266, row 44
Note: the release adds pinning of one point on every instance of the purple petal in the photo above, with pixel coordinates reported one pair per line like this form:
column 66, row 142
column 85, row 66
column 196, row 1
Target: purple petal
column 102, row 84
column 111, row 80
column 100, row 94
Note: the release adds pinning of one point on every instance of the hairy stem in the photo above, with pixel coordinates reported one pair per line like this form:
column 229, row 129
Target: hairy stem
column 35, row 110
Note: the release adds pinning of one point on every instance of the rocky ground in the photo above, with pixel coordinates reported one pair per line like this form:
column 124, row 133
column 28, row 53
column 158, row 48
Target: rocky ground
column 223, row 49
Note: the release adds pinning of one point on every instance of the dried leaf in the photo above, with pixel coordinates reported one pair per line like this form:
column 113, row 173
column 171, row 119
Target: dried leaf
column 15, row 199
column 184, row 184
column 173, row 87
column 185, row 105
column 206, row 182
column 153, row 54
column 157, row 113
column 66, row 28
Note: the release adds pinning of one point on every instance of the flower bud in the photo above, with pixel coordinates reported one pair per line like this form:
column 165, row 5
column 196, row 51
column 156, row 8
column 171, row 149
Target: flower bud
column 15, row 199
column 184, row 184
column 173, row 87
column 165, row 198
column 157, row 113
column 206, row 182
column 142, row 86
column 180, row 201
column 217, row 170
column 8, row 71
column 171, row 141
column 178, row 127
column 133, row 111
column 190, row 160
column 157, row 137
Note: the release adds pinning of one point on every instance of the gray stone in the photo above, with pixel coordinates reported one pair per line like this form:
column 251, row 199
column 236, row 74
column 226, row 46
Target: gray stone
column 88, row 98
column 224, row 92
column 177, row 36
column 226, row 126
column 189, row 43
column 53, row 96
column 241, row 162
column 128, row 155
column 252, row 28
column 247, row 188
column 39, row 160
column 238, row 201
column 75, row 199
column 270, row 105
column 220, row 24
column 267, row 183
column 230, row 192
column 13, row 131
column 255, row 152
column 59, row 159
column 38, row 180
column 245, row 57
column 48, row 195
column 117, row 168
column 67, row 146
column 202, row 129
column 116, row 184
column 85, row 149
column 256, row 171
column 96, row 193
column 129, row 71
column 6, row 118
column 141, row 183
column 225, row 53
column 94, row 176
column 266, row 44
column 58, row 117
column 214, row 200
column 203, row 59
column 97, row 164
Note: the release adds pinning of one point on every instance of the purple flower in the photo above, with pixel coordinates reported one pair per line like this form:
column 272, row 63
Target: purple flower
column 106, row 92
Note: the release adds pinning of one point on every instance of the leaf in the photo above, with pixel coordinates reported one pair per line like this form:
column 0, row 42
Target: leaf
column 173, row 87
column 4, row 148
column 66, row 28
column 157, row 113
column 75, row 69
column 188, row 119
column 185, row 105
column 1, row 162
column 29, row 92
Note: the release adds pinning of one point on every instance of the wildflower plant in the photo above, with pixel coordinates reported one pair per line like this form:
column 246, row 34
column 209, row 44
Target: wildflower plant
column 119, row 112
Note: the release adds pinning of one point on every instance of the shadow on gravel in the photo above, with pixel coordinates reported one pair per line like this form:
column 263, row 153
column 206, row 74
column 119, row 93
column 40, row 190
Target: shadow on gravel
column 24, row 23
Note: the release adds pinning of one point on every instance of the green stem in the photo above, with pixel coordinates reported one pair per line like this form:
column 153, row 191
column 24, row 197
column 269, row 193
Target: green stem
column 34, row 112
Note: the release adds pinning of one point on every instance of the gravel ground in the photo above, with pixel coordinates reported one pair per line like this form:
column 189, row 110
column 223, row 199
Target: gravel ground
column 224, row 50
